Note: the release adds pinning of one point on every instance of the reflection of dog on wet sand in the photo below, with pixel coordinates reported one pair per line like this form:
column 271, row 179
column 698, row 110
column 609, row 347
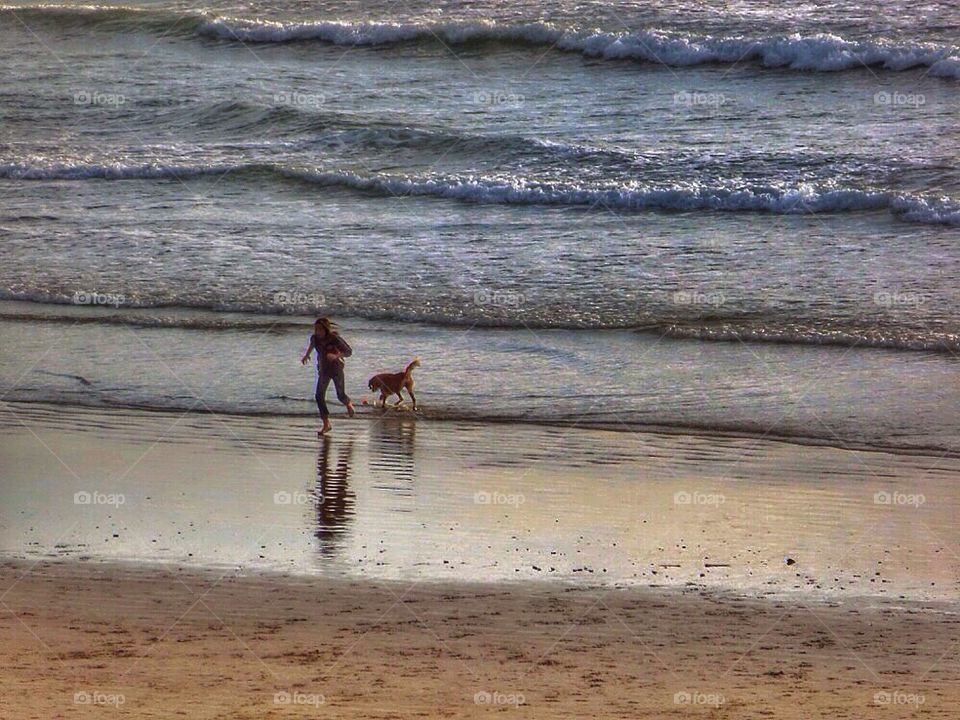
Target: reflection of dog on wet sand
column 392, row 383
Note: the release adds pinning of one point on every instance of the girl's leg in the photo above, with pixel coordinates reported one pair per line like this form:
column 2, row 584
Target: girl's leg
column 321, row 397
column 338, row 384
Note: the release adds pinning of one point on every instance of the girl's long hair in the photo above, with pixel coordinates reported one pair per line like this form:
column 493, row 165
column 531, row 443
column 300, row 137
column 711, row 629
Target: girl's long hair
column 329, row 327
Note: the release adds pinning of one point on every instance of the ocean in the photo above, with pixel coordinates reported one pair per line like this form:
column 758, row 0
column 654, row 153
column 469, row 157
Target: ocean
column 710, row 217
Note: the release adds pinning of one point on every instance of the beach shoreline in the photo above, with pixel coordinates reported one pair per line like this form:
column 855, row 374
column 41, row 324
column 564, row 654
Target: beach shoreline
column 736, row 388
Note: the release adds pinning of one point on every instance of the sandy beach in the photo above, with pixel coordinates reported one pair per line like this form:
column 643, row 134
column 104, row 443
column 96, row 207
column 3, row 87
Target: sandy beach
column 81, row 640
column 668, row 293
column 230, row 567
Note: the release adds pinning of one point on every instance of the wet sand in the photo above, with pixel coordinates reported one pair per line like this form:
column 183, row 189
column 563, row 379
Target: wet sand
column 408, row 499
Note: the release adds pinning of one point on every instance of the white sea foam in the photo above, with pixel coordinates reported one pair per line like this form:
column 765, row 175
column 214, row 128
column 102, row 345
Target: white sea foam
column 942, row 211
column 815, row 52
column 682, row 196
column 820, row 52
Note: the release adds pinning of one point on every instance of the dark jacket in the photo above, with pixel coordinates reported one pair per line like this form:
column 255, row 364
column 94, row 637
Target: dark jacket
column 330, row 343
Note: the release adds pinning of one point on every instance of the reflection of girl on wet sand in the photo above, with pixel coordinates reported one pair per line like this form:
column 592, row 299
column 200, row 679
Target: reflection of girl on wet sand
column 335, row 500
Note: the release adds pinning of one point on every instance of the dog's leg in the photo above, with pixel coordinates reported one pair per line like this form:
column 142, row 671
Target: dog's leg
column 399, row 399
column 412, row 396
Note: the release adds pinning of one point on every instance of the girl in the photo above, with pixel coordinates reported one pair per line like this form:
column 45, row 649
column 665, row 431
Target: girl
column 331, row 349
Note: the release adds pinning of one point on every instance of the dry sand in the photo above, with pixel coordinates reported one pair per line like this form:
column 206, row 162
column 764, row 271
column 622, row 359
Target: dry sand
column 165, row 643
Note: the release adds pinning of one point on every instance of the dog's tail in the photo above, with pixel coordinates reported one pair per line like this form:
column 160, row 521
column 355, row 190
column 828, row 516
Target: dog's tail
column 409, row 368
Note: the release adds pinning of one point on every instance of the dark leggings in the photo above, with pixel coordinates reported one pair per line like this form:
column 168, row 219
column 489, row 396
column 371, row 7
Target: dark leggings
column 323, row 382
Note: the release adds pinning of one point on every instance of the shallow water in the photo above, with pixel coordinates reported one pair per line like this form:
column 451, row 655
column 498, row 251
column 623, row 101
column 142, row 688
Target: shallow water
column 767, row 192
column 622, row 380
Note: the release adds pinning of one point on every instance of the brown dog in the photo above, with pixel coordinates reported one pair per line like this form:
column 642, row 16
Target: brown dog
column 392, row 383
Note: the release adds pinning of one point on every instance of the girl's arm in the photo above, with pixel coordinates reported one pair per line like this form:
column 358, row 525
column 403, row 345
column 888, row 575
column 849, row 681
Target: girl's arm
column 303, row 360
column 344, row 348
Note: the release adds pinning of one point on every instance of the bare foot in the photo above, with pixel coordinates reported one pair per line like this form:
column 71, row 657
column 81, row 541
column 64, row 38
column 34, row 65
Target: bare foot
column 351, row 411
column 327, row 427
